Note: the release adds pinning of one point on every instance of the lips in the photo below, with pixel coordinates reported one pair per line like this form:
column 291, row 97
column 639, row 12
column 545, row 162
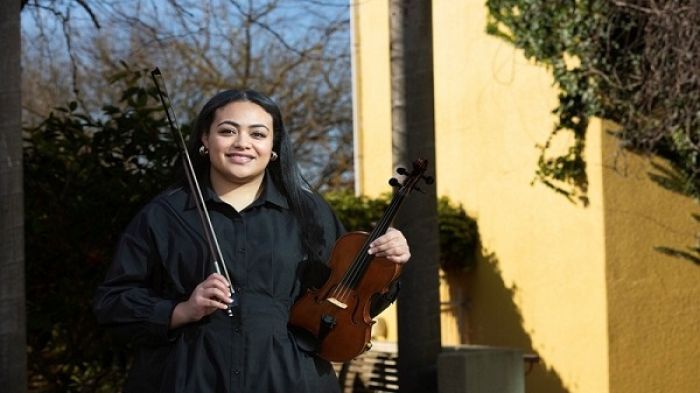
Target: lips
column 237, row 158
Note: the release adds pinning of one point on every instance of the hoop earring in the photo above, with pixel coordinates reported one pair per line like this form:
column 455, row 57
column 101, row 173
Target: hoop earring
column 274, row 156
column 203, row 151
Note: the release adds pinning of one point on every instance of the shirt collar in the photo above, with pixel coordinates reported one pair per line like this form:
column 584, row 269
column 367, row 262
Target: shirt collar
column 270, row 193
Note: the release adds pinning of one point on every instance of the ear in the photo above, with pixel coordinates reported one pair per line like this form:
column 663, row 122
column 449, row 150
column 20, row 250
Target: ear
column 205, row 139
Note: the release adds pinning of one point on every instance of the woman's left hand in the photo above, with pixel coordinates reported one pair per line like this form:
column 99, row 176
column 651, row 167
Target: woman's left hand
column 392, row 245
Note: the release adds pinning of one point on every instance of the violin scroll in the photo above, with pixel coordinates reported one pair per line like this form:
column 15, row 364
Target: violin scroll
column 412, row 178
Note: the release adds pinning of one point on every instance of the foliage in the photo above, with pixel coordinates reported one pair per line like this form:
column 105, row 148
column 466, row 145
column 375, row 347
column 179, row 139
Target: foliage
column 296, row 52
column 357, row 213
column 84, row 179
column 459, row 236
column 458, row 232
column 634, row 62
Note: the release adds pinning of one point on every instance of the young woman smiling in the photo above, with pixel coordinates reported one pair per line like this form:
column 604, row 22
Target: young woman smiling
column 275, row 235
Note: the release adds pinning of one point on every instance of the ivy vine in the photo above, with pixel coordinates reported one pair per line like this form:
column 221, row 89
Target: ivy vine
column 634, row 62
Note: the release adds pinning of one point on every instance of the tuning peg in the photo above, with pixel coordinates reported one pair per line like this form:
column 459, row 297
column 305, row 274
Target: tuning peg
column 394, row 183
column 429, row 179
column 401, row 171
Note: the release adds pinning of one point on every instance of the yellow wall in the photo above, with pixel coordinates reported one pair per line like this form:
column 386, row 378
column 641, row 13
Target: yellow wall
column 571, row 283
column 654, row 299
column 541, row 283
column 372, row 97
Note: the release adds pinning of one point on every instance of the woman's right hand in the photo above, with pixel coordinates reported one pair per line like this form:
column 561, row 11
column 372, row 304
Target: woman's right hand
column 210, row 295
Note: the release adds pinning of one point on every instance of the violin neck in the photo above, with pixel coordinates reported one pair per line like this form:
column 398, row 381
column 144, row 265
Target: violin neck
column 362, row 260
column 388, row 217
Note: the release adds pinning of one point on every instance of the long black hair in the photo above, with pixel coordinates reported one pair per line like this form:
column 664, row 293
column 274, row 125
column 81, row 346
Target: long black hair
column 284, row 171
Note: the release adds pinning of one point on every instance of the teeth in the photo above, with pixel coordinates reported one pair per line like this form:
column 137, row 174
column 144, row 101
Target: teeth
column 239, row 158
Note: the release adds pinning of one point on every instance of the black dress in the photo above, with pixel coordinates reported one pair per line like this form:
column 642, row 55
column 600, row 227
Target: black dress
column 162, row 257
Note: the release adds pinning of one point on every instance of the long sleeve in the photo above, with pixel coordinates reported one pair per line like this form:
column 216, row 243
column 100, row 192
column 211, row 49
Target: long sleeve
column 130, row 301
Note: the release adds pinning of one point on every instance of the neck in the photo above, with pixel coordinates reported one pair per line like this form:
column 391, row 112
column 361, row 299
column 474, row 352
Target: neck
column 238, row 195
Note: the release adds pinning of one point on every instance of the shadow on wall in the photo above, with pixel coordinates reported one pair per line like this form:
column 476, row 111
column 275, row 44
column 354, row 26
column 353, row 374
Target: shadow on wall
column 673, row 179
column 495, row 320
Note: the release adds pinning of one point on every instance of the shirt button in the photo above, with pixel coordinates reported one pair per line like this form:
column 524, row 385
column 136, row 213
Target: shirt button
column 241, row 250
column 237, row 330
column 236, row 371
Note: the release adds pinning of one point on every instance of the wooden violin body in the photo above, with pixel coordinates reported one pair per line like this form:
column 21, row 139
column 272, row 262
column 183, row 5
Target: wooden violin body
column 337, row 314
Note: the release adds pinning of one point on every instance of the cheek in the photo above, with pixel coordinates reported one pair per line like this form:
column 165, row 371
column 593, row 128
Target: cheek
column 266, row 147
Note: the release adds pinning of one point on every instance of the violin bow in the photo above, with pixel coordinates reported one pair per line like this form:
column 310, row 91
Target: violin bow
column 209, row 234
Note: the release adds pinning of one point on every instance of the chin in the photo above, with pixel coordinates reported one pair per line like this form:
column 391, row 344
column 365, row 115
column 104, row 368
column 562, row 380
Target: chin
column 243, row 178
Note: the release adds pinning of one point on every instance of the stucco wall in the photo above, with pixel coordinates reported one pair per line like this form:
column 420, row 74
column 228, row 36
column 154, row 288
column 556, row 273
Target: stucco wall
column 653, row 299
column 372, row 96
column 580, row 286
column 541, row 281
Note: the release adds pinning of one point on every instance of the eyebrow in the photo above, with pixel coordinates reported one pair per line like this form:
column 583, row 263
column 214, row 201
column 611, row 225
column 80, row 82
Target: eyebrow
column 233, row 123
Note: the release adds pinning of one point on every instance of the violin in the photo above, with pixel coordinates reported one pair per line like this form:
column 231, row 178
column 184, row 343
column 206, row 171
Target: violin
column 337, row 314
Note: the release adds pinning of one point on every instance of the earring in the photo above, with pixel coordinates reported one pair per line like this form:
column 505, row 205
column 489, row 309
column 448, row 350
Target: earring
column 203, row 151
column 274, row 156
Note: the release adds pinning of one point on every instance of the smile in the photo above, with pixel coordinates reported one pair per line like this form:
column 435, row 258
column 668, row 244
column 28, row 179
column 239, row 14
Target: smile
column 239, row 158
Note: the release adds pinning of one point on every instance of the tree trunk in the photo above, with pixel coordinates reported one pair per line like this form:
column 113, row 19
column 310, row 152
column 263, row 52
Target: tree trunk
column 13, row 357
column 413, row 136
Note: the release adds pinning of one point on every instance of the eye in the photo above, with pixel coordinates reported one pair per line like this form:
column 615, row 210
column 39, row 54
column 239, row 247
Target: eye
column 258, row 134
column 227, row 131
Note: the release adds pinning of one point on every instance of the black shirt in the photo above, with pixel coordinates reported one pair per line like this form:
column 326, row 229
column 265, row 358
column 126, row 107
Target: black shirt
column 160, row 259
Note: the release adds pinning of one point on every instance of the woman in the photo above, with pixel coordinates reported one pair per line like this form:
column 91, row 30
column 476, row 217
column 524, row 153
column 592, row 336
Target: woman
column 275, row 236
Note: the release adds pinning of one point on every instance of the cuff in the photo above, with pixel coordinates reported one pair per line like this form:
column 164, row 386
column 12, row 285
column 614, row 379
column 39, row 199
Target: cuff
column 159, row 321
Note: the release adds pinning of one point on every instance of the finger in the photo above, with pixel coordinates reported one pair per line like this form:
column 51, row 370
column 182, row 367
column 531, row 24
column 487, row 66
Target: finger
column 215, row 284
column 211, row 297
column 216, row 277
column 394, row 251
column 217, row 294
column 394, row 247
column 390, row 235
column 218, row 305
column 209, row 303
column 380, row 244
column 380, row 248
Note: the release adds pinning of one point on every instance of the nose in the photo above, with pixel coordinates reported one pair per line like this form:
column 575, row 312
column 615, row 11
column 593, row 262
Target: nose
column 240, row 141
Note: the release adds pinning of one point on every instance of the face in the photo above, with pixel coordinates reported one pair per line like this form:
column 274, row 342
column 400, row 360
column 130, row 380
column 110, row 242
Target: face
column 240, row 143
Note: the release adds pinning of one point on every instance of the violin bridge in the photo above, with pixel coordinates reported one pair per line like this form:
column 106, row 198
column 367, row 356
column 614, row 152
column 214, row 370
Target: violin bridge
column 337, row 303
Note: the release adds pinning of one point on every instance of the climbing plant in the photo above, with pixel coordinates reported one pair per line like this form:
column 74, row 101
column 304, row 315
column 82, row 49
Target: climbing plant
column 634, row 62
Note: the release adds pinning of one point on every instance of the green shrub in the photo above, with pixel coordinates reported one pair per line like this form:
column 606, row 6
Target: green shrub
column 458, row 232
column 85, row 176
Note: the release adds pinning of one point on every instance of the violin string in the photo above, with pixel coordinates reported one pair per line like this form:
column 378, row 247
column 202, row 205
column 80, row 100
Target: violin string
column 358, row 267
column 362, row 258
